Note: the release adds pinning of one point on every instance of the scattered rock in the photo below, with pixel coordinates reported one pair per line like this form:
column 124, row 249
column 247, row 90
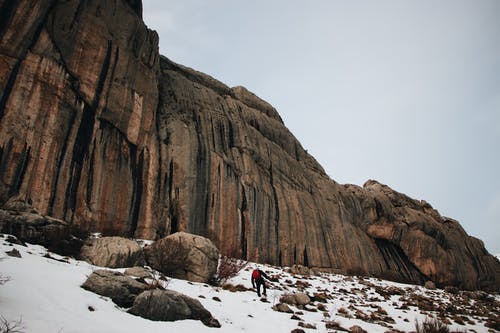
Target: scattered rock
column 217, row 299
column 169, row 305
column 282, row 307
column 113, row 252
column 234, row 288
column 356, row 329
column 184, row 256
column 139, row 272
column 451, row 289
column 120, row 288
column 297, row 330
column 13, row 253
column 321, row 297
column 332, row 324
column 295, row 317
column 430, row 285
column 307, row 325
column 321, row 307
column 13, row 240
column 299, row 270
column 295, row 299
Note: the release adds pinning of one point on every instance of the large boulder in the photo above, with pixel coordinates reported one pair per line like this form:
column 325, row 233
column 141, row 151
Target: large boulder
column 114, row 252
column 184, row 256
column 29, row 226
column 169, row 305
column 120, row 288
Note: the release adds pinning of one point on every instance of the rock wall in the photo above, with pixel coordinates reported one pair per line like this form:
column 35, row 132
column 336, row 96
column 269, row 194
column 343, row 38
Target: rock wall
column 77, row 111
column 99, row 130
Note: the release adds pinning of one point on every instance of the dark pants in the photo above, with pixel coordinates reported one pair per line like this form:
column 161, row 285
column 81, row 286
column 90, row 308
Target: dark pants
column 261, row 282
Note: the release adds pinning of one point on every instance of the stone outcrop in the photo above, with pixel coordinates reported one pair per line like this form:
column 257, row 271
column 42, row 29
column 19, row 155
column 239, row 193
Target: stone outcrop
column 120, row 288
column 113, row 252
column 29, row 226
column 169, row 305
column 99, row 130
column 184, row 256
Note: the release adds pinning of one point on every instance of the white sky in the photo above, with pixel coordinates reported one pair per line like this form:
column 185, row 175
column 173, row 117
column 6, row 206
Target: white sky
column 404, row 92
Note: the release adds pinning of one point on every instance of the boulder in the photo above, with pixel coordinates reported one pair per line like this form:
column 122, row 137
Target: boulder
column 295, row 299
column 113, row 252
column 169, row 305
column 282, row 307
column 139, row 272
column 430, row 285
column 120, row 288
column 356, row 329
column 300, row 270
column 184, row 256
column 29, row 226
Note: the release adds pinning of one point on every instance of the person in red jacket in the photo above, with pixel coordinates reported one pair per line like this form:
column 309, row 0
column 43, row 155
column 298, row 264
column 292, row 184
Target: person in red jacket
column 258, row 280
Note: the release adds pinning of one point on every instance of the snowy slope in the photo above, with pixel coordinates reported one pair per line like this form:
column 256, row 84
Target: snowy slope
column 45, row 294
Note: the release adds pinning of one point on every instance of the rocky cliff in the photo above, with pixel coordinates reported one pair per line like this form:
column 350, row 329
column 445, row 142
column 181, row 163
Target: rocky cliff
column 98, row 129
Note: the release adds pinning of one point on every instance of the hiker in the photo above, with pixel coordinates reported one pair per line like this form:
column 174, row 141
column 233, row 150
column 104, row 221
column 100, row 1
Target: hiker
column 258, row 279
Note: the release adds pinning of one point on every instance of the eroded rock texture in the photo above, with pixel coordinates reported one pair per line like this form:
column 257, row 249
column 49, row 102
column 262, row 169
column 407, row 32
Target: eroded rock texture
column 97, row 129
column 78, row 84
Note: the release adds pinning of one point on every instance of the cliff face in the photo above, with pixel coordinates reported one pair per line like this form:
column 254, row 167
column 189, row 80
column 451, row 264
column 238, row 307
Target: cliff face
column 97, row 129
column 78, row 100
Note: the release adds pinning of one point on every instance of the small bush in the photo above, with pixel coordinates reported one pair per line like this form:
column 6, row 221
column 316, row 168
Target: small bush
column 228, row 268
column 11, row 326
column 431, row 325
column 4, row 279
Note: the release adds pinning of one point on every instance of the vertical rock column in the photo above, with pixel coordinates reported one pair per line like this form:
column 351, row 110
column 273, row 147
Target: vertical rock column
column 77, row 128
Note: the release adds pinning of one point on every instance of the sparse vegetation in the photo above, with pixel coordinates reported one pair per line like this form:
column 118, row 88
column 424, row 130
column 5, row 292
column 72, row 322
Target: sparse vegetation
column 228, row 268
column 432, row 325
column 4, row 279
column 7, row 326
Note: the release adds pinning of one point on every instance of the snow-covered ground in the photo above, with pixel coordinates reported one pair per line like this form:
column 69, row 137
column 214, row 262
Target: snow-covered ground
column 43, row 292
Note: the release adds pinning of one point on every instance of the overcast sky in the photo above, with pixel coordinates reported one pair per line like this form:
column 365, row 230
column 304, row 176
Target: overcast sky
column 404, row 92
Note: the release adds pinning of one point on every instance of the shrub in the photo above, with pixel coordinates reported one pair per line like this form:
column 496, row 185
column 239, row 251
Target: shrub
column 228, row 268
column 11, row 326
column 431, row 325
column 4, row 279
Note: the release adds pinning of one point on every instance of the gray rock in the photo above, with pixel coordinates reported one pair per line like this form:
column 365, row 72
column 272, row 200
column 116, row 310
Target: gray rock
column 13, row 253
column 184, row 256
column 113, row 252
column 299, row 269
column 356, row 329
column 282, row 307
column 295, row 299
column 120, row 288
column 169, row 305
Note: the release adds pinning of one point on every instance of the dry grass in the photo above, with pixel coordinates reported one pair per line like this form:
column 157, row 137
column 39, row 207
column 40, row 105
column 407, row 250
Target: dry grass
column 431, row 325
column 11, row 326
column 228, row 268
